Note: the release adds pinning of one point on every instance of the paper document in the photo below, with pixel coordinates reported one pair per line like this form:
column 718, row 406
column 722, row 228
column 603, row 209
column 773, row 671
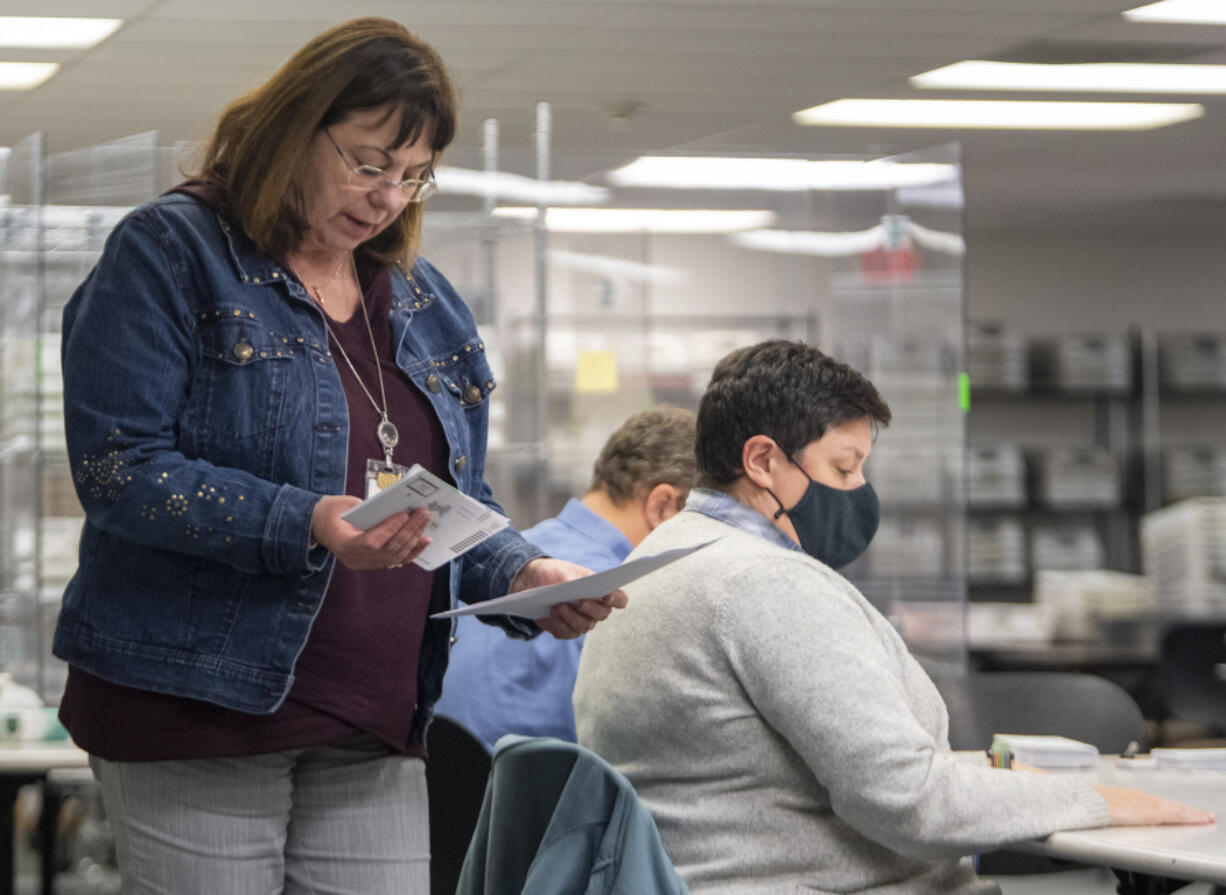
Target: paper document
column 1048, row 752
column 457, row 522
column 1190, row 759
column 535, row 603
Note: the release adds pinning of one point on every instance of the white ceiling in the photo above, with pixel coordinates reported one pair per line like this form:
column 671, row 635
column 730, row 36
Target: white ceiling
column 709, row 74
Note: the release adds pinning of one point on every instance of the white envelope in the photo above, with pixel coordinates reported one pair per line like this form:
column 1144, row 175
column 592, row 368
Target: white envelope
column 536, row 602
column 457, row 522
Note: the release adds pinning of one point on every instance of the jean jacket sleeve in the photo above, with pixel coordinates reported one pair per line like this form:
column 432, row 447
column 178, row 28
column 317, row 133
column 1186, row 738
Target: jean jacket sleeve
column 490, row 567
column 129, row 351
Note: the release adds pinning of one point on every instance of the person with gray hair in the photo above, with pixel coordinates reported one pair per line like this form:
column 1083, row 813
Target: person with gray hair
column 769, row 716
column 497, row 685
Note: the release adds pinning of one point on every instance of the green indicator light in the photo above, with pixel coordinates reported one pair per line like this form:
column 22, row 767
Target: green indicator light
column 964, row 391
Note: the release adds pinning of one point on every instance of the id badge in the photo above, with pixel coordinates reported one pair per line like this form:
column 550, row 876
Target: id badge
column 381, row 475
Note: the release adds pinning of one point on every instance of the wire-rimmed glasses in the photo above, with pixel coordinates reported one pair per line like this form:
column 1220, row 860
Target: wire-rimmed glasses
column 369, row 177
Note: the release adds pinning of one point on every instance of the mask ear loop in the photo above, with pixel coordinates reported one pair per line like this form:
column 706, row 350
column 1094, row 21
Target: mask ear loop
column 781, row 510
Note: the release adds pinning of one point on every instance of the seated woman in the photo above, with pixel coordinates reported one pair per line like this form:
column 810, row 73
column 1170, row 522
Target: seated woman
column 770, row 718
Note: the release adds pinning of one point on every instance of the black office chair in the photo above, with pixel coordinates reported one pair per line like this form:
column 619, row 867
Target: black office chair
column 456, row 774
column 1192, row 675
column 1079, row 706
column 1082, row 707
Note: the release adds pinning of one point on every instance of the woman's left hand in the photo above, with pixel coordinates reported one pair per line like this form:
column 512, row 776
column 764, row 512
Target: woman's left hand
column 566, row 621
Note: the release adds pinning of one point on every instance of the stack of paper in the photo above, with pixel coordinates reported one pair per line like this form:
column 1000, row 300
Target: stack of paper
column 1190, row 759
column 1048, row 752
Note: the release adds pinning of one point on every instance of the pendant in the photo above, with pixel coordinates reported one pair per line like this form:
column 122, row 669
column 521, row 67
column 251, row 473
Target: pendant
column 388, row 435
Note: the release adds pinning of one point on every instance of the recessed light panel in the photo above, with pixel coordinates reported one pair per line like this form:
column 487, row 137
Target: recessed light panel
column 736, row 173
column 1194, row 12
column 638, row 220
column 25, row 75
column 999, row 114
column 1109, row 77
column 55, row 33
column 518, row 188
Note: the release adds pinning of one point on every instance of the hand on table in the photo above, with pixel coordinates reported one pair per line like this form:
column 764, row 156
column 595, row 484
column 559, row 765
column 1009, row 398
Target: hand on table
column 1131, row 807
column 396, row 540
column 566, row 621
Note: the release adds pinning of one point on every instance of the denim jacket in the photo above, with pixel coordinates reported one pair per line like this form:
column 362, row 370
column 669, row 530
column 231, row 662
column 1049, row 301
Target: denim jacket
column 205, row 418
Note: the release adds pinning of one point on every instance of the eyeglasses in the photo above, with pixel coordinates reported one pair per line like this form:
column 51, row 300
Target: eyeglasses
column 368, row 177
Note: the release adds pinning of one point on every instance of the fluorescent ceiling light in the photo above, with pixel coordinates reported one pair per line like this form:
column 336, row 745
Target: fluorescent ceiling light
column 25, row 75
column 637, row 220
column 1006, row 114
column 1197, row 12
column 517, row 188
column 810, row 242
column 618, row 268
column 28, row 31
column 947, row 195
column 722, row 172
column 826, row 244
column 1112, row 77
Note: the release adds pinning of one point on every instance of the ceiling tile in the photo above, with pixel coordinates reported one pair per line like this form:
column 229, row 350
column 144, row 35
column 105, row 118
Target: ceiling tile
column 102, row 9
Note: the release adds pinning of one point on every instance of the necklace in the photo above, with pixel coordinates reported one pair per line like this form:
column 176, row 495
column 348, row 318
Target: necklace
column 319, row 296
column 386, row 431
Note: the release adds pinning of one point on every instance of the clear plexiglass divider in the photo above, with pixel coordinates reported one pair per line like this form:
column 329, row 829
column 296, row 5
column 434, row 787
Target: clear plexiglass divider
column 597, row 298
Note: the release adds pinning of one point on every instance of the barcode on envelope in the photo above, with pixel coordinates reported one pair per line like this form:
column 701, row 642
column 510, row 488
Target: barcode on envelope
column 471, row 541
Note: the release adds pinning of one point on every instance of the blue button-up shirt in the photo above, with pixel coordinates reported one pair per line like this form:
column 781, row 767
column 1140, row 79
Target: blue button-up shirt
column 728, row 509
column 496, row 685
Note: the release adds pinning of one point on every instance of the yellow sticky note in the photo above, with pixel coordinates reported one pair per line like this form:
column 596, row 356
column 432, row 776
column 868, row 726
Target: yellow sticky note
column 595, row 372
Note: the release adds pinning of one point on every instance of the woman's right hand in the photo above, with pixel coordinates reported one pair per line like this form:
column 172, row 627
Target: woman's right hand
column 1131, row 807
column 396, row 540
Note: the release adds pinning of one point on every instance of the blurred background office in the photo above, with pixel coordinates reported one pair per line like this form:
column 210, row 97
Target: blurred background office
column 1008, row 213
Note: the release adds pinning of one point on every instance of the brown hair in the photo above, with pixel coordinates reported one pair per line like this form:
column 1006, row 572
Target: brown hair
column 651, row 448
column 257, row 151
column 789, row 391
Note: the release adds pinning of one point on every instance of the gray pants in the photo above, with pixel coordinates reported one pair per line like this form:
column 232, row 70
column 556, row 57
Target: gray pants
column 345, row 819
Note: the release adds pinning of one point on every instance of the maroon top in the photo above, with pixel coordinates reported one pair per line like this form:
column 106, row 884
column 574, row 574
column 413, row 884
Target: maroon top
column 358, row 670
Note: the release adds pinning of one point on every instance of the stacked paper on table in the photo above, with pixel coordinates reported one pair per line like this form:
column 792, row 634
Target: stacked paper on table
column 1190, row 759
column 1049, row 752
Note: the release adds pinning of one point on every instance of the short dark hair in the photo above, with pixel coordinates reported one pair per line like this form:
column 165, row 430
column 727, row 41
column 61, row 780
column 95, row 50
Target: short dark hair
column 256, row 153
column 788, row 391
column 650, row 448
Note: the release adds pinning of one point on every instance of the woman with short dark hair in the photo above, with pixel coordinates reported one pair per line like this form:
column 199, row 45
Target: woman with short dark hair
column 769, row 717
column 253, row 676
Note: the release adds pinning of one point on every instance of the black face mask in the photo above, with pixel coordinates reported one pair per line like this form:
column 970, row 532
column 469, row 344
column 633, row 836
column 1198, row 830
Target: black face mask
column 834, row 526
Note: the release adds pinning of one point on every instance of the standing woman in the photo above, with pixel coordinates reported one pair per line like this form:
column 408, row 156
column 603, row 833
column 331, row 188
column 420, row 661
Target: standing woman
column 252, row 676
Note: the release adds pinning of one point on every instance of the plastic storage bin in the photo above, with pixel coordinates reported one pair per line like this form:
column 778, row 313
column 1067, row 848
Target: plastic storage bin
column 1183, row 548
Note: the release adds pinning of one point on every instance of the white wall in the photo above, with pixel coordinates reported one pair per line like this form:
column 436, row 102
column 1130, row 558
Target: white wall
column 1052, row 282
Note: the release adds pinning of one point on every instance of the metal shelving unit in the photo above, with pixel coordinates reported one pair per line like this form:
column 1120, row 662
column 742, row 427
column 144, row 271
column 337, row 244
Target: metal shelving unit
column 1161, row 426
column 59, row 210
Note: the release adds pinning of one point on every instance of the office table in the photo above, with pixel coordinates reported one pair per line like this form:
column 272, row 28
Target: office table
column 22, row 764
column 1191, row 853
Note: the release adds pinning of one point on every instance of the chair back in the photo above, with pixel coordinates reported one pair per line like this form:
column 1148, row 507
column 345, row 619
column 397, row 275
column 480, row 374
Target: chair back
column 1192, row 674
column 1082, row 707
column 558, row 819
column 456, row 774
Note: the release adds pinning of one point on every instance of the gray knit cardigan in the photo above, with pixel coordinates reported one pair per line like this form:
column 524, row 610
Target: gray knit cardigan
column 776, row 727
